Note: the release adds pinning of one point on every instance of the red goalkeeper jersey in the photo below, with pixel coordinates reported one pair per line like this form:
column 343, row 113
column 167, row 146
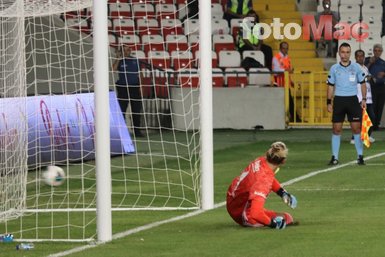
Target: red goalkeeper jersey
column 256, row 181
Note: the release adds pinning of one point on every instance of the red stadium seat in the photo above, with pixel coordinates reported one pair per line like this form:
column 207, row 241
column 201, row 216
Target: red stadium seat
column 124, row 26
column 181, row 60
column 159, row 59
column 120, row 10
column 236, row 77
column 153, row 43
column 176, row 43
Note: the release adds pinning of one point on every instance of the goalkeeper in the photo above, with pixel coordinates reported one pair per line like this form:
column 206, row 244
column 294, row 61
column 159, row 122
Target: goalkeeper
column 247, row 193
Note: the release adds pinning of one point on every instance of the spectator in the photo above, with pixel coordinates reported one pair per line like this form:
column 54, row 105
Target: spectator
column 332, row 44
column 360, row 58
column 128, row 86
column 376, row 67
column 342, row 85
column 237, row 9
column 251, row 41
column 281, row 63
column 248, row 192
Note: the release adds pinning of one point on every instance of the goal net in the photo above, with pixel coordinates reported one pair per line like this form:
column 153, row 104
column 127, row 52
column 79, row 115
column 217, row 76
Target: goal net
column 47, row 113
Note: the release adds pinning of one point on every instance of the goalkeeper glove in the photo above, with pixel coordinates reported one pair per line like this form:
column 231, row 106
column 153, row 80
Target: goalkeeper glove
column 278, row 223
column 287, row 198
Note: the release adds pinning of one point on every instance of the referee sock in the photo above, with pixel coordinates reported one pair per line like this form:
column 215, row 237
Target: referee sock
column 336, row 141
column 358, row 144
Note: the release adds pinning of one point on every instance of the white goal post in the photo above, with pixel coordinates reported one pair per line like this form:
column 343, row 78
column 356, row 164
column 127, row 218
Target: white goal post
column 60, row 105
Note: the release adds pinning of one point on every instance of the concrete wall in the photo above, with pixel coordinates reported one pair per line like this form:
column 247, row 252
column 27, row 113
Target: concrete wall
column 235, row 108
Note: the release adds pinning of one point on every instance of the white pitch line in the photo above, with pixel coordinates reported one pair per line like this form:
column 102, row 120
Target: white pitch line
column 194, row 213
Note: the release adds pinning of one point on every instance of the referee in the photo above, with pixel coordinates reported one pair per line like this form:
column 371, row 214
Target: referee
column 342, row 85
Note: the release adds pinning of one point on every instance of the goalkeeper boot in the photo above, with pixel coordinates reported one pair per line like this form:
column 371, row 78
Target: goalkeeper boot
column 360, row 160
column 333, row 161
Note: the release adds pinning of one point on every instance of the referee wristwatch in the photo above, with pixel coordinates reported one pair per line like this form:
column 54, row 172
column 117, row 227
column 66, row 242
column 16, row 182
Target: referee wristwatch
column 364, row 99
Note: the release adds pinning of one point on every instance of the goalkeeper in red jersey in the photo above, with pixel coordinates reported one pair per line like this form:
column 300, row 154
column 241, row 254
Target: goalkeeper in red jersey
column 247, row 193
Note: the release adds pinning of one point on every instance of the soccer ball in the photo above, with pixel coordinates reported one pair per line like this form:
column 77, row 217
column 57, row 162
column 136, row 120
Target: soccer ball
column 54, row 176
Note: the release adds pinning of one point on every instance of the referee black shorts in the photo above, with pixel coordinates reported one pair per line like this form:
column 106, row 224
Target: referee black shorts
column 346, row 105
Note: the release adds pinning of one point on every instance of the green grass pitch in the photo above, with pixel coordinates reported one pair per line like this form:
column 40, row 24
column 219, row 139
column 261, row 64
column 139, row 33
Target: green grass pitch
column 341, row 212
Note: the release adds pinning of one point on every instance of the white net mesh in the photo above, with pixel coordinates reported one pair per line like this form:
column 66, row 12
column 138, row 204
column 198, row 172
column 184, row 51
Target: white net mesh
column 46, row 53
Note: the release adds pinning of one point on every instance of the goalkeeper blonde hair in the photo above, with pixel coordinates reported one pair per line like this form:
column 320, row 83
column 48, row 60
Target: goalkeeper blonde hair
column 277, row 153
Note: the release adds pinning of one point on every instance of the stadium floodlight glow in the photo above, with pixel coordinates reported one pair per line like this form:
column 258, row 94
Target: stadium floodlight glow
column 293, row 31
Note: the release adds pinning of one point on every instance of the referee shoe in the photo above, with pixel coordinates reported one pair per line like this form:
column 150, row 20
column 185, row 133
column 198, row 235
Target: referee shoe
column 333, row 161
column 360, row 160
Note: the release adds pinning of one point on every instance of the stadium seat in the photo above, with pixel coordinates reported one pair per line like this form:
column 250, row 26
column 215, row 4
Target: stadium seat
column 216, row 9
column 140, row 11
column 165, row 11
column 191, row 27
column 229, row 59
column 220, row 27
column 189, row 78
column 112, row 40
column 120, row 10
column 176, row 43
column 214, row 59
column 139, row 54
column 181, row 60
column 236, row 77
column 350, row 8
column 159, row 59
column 217, row 77
column 223, row 42
column 131, row 40
column 166, row 1
column 257, row 55
column 182, row 11
column 171, row 27
column 124, row 26
column 147, row 27
column 374, row 8
column 193, row 41
column 235, row 26
column 140, row 1
column 259, row 76
column 153, row 43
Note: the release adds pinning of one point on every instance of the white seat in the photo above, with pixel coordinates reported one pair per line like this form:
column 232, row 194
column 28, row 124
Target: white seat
column 257, row 55
column 146, row 39
column 167, row 11
column 193, row 39
column 162, row 8
column 259, row 76
column 176, row 39
column 352, row 8
column 126, row 22
column 147, row 23
column 225, row 38
column 349, row 17
column 172, row 23
column 182, row 11
column 129, row 39
column 214, row 58
column 158, row 54
column 142, row 8
column 216, row 9
column 220, row 27
column 119, row 9
column 191, row 27
column 372, row 20
column 138, row 54
column 229, row 59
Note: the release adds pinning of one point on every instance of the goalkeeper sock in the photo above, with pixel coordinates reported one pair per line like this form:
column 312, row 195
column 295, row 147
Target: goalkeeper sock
column 336, row 141
column 358, row 144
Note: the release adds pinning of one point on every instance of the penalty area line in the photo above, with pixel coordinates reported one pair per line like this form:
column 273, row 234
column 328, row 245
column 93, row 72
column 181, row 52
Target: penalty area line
column 197, row 212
